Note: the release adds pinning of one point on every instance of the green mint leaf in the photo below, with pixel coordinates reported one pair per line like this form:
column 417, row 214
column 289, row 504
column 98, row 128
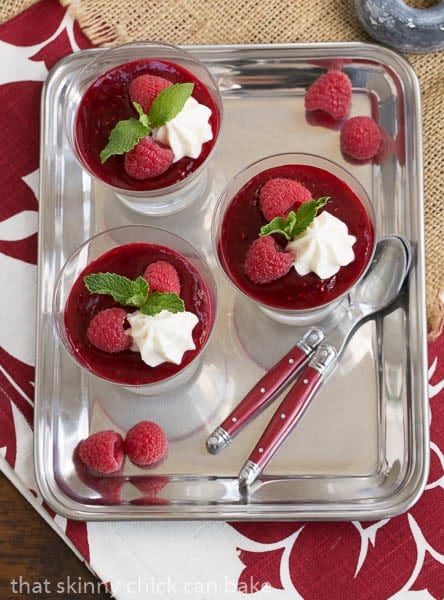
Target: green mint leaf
column 169, row 102
column 158, row 301
column 296, row 222
column 280, row 225
column 123, row 290
column 306, row 214
column 143, row 118
column 123, row 138
column 139, row 292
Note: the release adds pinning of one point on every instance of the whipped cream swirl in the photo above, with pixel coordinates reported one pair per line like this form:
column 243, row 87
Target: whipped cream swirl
column 188, row 131
column 323, row 248
column 163, row 337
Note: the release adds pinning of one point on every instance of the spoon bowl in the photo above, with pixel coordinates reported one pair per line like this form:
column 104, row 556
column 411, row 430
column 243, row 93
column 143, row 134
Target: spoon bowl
column 383, row 281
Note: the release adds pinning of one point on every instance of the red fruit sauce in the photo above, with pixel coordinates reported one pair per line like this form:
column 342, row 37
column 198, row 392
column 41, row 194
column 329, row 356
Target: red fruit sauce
column 131, row 260
column 107, row 101
column 242, row 222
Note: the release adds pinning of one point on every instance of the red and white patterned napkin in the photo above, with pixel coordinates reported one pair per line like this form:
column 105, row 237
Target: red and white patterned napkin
column 399, row 558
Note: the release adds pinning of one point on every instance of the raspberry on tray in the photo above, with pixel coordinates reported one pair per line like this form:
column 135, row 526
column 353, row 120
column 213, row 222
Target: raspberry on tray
column 331, row 93
column 146, row 443
column 102, row 451
column 360, row 138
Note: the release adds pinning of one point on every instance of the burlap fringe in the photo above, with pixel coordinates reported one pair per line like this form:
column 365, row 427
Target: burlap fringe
column 11, row 8
column 98, row 32
column 435, row 313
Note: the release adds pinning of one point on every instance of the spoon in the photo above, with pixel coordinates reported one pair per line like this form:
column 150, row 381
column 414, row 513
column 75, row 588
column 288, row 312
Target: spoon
column 280, row 374
column 376, row 291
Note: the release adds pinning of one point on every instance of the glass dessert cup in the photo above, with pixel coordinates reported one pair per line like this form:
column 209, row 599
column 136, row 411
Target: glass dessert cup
column 88, row 126
column 126, row 251
column 292, row 299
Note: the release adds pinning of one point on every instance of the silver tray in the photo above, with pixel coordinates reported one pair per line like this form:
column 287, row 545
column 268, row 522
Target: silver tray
column 361, row 451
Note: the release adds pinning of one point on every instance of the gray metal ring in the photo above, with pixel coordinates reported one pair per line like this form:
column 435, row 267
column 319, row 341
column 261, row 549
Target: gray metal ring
column 402, row 27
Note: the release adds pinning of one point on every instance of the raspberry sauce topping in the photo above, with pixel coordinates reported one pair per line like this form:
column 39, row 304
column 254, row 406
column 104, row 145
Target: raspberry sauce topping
column 244, row 218
column 131, row 260
column 108, row 100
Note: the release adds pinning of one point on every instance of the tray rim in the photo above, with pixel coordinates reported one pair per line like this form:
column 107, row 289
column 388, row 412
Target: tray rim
column 70, row 508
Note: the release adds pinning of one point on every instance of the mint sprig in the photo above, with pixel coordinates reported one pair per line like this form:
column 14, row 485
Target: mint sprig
column 296, row 222
column 168, row 103
column 127, row 133
column 158, row 301
column 123, row 290
column 123, row 138
column 129, row 292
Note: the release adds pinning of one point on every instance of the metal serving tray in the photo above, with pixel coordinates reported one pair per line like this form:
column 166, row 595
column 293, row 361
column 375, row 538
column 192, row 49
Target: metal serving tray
column 361, row 451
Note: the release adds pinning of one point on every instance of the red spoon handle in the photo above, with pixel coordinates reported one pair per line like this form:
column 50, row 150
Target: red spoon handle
column 286, row 416
column 289, row 413
column 264, row 390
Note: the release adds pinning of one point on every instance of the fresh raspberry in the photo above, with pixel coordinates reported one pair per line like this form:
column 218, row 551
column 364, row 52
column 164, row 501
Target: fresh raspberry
column 102, row 451
column 162, row 277
column 278, row 195
column 144, row 88
column 331, row 93
column 106, row 331
column 145, row 443
column 265, row 261
column 360, row 138
column 147, row 159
